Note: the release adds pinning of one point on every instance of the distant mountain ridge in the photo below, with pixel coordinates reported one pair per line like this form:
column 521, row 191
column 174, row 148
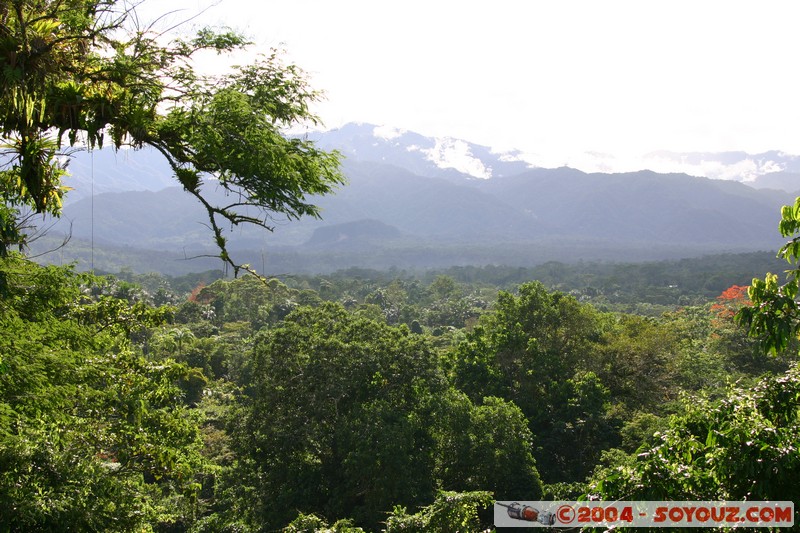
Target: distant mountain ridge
column 442, row 157
column 452, row 158
column 771, row 169
column 442, row 201
column 108, row 170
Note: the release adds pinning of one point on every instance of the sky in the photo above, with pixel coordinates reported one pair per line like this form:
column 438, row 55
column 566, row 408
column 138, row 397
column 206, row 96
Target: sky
column 564, row 80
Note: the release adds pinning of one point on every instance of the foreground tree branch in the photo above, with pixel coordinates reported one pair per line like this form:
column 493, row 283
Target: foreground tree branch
column 84, row 71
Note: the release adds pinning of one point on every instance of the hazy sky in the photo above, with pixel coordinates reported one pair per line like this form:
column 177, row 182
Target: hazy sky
column 555, row 78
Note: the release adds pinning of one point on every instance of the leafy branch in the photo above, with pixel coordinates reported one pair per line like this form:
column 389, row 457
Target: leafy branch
column 84, row 70
column 774, row 316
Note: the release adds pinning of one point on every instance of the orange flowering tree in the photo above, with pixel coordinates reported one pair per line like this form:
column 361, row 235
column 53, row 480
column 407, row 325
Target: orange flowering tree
column 730, row 301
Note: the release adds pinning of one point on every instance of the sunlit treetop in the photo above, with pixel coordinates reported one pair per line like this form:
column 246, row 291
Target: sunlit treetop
column 774, row 316
column 87, row 73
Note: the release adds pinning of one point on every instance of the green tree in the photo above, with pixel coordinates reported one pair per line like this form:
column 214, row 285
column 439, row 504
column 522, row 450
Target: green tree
column 742, row 446
column 308, row 523
column 451, row 512
column 93, row 436
column 635, row 359
column 485, row 447
column 340, row 418
column 87, row 69
column 536, row 350
column 348, row 417
column 774, row 316
column 247, row 300
column 444, row 287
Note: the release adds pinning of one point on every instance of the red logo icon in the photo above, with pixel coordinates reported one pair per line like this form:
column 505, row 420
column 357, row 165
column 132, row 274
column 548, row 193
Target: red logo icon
column 565, row 514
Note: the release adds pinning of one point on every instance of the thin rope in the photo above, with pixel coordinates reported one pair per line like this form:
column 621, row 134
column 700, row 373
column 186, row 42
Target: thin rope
column 92, row 211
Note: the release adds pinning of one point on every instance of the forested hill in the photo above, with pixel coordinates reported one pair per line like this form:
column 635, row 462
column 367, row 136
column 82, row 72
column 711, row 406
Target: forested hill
column 643, row 206
column 389, row 216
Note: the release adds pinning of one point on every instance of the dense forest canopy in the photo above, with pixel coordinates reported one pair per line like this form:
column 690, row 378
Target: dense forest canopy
column 379, row 403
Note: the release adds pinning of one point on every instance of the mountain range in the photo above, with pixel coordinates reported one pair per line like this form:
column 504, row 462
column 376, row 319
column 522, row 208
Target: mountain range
column 416, row 201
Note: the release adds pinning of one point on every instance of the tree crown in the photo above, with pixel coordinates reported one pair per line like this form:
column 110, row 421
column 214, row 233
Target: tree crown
column 78, row 72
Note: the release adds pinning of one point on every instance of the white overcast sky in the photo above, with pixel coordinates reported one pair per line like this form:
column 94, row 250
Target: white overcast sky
column 554, row 77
